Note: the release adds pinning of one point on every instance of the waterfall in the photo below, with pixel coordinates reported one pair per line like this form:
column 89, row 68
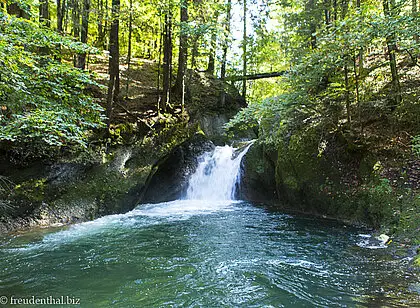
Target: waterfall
column 217, row 174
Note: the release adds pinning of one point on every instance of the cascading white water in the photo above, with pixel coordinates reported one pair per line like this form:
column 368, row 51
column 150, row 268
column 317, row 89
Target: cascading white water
column 217, row 175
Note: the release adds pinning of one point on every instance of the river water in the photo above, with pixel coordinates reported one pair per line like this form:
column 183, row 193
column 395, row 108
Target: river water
column 206, row 253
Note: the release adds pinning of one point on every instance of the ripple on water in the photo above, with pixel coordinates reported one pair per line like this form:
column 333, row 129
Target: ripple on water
column 189, row 253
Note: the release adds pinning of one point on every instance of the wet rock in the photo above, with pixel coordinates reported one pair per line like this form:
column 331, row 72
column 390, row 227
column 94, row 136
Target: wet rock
column 64, row 192
column 63, row 173
column 212, row 125
column 169, row 178
column 258, row 176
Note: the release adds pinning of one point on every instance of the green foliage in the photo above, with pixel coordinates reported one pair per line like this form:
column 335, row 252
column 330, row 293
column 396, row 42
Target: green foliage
column 415, row 145
column 334, row 107
column 337, row 84
column 32, row 190
column 44, row 103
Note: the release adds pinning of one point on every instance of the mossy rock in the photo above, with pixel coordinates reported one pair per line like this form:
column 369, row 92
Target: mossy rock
column 258, row 175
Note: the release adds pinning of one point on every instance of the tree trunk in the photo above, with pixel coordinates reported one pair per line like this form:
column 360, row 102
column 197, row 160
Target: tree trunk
column 212, row 53
column 361, row 51
column 167, row 60
column 344, row 8
column 61, row 8
column 81, row 61
column 130, row 30
column 101, row 32
column 44, row 13
column 194, row 51
column 391, row 42
column 414, row 10
column 356, row 81
column 183, row 42
column 327, row 12
column 114, row 71
column 226, row 39
column 44, row 20
column 347, row 94
column 159, row 98
column 76, row 26
column 310, row 8
column 105, row 43
column 66, row 17
column 244, row 45
column 256, row 76
column 110, row 100
column 75, row 16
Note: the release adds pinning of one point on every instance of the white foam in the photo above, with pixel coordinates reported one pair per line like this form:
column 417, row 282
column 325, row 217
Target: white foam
column 370, row 242
column 142, row 215
column 184, row 208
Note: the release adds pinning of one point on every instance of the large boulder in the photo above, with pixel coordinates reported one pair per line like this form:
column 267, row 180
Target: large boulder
column 72, row 189
column 258, row 183
column 169, row 177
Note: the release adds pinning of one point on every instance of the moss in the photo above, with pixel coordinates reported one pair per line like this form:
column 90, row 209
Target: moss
column 417, row 261
column 291, row 182
column 344, row 185
column 32, row 190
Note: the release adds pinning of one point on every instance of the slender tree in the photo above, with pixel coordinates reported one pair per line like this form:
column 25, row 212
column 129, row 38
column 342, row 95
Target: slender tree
column 310, row 8
column 100, row 39
column 347, row 93
column 130, row 31
column 244, row 52
column 327, row 12
column 76, row 26
column 61, row 9
column 414, row 12
column 44, row 19
column 167, row 59
column 335, row 10
column 159, row 98
column 81, row 61
column 226, row 39
column 66, row 16
column 114, row 71
column 183, row 48
column 213, row 41
column 44, row 13
column 391, row 41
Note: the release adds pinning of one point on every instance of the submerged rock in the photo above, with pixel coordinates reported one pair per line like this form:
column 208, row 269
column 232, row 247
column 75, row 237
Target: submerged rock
column 169, row 177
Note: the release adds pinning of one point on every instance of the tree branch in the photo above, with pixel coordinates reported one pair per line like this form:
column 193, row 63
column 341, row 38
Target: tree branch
column 256, row 76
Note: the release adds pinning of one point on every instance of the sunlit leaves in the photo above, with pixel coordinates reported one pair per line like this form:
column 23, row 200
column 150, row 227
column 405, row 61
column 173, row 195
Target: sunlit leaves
column 45, row 102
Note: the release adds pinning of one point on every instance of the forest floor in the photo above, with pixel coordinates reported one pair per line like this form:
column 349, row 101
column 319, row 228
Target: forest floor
column 140, row 103
column 144, row 97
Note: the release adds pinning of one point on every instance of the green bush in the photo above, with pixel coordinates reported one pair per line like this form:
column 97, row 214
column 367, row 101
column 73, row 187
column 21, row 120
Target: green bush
column 44, row 103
